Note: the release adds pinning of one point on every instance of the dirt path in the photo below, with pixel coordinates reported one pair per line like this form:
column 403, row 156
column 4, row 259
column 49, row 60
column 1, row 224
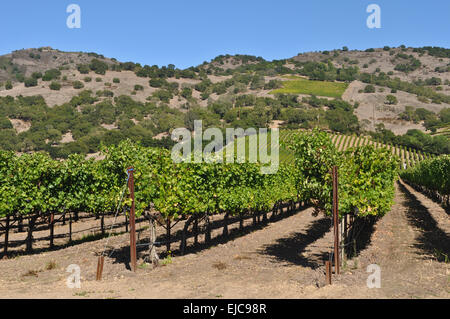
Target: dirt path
column 408, row 244
column 283, row 259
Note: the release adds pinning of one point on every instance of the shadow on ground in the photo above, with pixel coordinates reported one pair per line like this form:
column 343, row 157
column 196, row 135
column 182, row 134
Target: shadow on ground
column 432, row 240
column 290, row 249
column 122, row 255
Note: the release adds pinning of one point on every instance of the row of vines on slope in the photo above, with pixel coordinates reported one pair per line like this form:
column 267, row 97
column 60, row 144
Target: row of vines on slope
column 34, row 185
column 366, row 174
column 432, row 176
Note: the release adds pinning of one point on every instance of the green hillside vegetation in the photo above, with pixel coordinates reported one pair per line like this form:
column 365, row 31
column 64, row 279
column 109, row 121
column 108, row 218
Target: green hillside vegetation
column 228, row 91
column 342, row 143
column 298, row 85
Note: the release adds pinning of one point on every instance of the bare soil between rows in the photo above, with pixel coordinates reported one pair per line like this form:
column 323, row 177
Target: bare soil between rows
column 281, row 259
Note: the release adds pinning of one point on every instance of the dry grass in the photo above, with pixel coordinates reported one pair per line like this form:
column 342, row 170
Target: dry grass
column 240, row 257
column 31, row 273
column 219, row 265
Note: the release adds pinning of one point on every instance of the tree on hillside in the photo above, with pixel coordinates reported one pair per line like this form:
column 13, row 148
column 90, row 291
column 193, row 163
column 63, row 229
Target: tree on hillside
column 369, row 89
column 98, row 66
column 390, row 99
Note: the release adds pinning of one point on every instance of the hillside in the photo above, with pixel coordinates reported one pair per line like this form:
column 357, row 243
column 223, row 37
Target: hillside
column 88, row 98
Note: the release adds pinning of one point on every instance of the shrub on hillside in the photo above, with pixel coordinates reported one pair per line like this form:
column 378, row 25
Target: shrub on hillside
column 36, row 75
column 55, row 86
column 98, row 66
column 51, row 75
column 77, row 85
column 29, row 82
column 369, row 89
column 5, row 123
column 390, row 99
column 83, row 68
column 186, row 93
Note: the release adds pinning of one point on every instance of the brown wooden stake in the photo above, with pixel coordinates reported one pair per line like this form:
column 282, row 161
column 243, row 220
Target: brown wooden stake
column 328, row 272
column 336, row 220
column 132, row 221
column 101, row 259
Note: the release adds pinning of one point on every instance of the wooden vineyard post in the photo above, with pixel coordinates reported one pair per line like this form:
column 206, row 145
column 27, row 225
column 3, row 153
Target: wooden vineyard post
column 336, row 220
column 101, row 260
column 328, row 272
column 132, row 220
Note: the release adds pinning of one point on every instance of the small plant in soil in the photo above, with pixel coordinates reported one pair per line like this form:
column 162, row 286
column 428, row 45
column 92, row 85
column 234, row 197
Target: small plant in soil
column 82, row 294
column 50, row 265
column 144, row 265
column 168, row 259
column 441, row 256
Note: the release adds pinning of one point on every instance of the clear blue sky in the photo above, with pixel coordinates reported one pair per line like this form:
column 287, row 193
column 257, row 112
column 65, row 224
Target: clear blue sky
column 187, row 33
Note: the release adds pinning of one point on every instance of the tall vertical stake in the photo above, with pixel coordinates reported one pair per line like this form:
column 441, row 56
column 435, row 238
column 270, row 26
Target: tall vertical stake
column 336, row 220
column 132, row 220
column 328, row 272
column 100, row 262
